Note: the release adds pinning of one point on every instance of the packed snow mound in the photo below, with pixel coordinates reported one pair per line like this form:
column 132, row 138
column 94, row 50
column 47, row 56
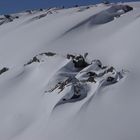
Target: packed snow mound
column 75, row 78
column 104, row 16
column 51, row 89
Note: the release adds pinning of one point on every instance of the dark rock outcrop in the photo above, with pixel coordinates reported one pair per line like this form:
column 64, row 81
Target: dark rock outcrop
column 3, row 70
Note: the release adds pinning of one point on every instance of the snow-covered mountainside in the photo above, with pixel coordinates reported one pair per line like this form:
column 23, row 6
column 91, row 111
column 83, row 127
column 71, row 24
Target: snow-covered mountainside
column 71, row 74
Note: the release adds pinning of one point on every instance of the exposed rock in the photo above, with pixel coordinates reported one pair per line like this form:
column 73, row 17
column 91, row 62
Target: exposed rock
column 41, row 9
column 79, row 62
column 35, row 59
column 70, row 56
column 3, row 70
column 110, row 79
column 91, row 79
column 29, row 11
column 78, row 81
column 7, row 16
column 106, row 2
column 127, row 8
column 48, row 53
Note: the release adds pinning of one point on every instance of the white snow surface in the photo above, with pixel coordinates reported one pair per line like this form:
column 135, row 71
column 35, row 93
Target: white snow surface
column 32, row 105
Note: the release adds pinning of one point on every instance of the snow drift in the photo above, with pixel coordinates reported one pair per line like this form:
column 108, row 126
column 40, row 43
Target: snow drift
column 70, row 74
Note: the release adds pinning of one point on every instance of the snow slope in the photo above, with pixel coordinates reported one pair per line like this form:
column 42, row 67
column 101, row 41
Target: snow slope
column 45, row 95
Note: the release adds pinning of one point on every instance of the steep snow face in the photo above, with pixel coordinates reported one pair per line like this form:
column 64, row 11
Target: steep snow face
column 49, row 91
